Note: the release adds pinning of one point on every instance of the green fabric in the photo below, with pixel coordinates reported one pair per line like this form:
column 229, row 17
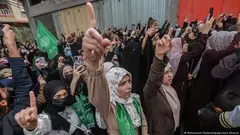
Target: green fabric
column 124, row 120
column 84, row 109
column 34, row 66
column 46, row 41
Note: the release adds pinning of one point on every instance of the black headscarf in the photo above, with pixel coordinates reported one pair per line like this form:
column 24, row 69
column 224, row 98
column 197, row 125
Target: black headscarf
column 58, row 122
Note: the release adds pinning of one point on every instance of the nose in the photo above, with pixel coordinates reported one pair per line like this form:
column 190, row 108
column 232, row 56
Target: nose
column 170, row 74
column 129, row 85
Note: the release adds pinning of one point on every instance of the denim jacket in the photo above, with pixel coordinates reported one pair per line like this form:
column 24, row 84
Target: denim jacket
column 23, row 84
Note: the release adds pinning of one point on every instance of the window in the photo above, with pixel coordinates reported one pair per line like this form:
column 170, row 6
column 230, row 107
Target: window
column 34, row 2
column 5, row 10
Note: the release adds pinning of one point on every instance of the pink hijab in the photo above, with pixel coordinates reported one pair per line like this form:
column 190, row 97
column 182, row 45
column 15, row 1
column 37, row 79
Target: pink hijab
column 175, row 54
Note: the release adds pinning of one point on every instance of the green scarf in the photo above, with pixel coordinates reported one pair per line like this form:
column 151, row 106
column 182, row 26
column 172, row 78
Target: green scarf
column 34, row 66
column 124, row 120
column 84, row 110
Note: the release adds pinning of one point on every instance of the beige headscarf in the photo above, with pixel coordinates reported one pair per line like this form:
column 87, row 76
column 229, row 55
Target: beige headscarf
column 173, row 100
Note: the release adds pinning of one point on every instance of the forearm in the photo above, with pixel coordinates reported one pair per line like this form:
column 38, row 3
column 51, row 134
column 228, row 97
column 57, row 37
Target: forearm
column 13, row 51
column 144, row 42
column 218, row 55
column 23, row 84
column 98, row 92
column 155, row 77
column 73, row 87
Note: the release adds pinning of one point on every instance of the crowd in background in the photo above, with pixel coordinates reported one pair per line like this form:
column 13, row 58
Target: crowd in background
column 152, row 79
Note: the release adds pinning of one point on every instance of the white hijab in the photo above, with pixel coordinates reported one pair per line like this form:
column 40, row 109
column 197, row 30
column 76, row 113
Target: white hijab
column 114, row 77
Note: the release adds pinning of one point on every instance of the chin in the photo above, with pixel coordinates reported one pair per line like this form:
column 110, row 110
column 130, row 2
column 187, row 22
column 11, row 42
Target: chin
column 128, row 96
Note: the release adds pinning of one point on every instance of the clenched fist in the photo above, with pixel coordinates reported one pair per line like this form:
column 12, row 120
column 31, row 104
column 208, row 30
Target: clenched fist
column 93, row 43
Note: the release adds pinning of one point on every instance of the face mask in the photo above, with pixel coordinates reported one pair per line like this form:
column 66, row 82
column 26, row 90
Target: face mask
column 69, row 53
column 60, row 102
column 69, row 78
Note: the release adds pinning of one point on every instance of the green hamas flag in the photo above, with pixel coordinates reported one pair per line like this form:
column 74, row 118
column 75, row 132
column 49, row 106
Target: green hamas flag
column 46, row 41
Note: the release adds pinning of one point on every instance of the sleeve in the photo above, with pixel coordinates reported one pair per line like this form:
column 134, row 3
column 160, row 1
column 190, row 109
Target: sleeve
column 23, row 85
column 41, row 99
column 230, row 119
column 155, row 78
column 226, row 66
column 98, row 92
column 44, row 126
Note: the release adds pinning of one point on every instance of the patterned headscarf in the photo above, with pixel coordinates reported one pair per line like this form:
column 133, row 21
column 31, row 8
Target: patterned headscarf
column 114, row 77
column 62, row 76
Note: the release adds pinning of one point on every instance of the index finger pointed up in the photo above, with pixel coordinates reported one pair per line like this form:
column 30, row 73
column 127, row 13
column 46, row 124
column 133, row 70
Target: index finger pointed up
column 92, row 14
column 32, row 100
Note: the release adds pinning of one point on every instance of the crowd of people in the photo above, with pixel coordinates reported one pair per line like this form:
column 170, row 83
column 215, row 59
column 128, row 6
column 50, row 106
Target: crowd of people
column 150, row 80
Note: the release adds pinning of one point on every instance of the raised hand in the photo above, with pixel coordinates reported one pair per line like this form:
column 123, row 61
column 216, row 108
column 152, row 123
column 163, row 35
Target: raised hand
column 154, row 28
column 27, row 118
column 78, row 72
column 164, row 45
column 9, row 37
column 93, row 43
column 208, row 25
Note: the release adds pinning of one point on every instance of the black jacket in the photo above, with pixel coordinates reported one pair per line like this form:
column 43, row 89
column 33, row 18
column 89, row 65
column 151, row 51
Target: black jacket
column 23, row 84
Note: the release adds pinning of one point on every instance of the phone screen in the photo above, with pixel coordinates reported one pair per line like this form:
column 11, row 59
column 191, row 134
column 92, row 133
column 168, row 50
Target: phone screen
column 76, row 65
column 42, row 60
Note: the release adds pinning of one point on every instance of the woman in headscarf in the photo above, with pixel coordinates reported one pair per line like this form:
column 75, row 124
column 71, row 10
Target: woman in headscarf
column 180, row 58
column 57, row 119
column 58, row 61
column 111, row 93
column 74, row 81
column 227, row 99
column 205, row 87
column 161, row 100
column 40, row 67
